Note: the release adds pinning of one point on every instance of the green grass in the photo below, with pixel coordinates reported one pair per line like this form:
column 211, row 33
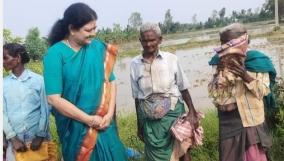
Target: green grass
column 277, row 122
column 128, row 134
column 54, row 135
column 128, row 130
column 36, row 66
column 127, row 127
column 207, row 152
column 276, row 152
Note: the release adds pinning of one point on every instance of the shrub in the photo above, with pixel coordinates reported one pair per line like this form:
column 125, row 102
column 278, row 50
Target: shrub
column 276, row 152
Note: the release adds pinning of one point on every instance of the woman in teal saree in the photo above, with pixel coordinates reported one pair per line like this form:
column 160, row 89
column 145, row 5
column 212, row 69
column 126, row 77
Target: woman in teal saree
column 74, row 78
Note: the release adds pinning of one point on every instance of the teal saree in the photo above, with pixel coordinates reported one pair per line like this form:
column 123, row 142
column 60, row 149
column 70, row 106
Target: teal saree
column 78, row 77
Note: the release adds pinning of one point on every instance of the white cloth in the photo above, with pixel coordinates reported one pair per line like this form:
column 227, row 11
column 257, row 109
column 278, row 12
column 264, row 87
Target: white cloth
column 164, row 75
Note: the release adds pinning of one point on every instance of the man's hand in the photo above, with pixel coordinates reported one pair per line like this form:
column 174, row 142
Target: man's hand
column 239, row 70
column 36, row 143
column 191, row 115
column 18, row 145
column 192, row 118
column 220, row 66
column 140, row 134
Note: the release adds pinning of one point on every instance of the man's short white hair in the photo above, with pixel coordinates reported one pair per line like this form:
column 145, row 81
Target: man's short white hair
column 150, row 27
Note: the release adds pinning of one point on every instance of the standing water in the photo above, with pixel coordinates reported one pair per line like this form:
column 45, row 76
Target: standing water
column 195, row 64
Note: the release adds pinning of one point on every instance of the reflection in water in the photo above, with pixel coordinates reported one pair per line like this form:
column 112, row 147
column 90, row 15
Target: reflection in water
column 174, row 42
column 195, row 65
column 124, row 98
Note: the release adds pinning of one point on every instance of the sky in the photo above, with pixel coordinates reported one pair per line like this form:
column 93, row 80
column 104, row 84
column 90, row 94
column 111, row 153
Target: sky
column 21, row 15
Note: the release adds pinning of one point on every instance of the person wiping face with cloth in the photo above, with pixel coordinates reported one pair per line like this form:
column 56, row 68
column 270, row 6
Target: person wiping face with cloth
column 232, row 53
column 240, row 88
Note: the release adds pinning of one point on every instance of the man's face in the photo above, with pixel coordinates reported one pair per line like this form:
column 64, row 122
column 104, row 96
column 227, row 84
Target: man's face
column 10, row 62
column 150, row 41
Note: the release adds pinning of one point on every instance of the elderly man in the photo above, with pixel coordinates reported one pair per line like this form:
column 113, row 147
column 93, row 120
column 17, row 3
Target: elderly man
column 240, row 83
column 160, row 88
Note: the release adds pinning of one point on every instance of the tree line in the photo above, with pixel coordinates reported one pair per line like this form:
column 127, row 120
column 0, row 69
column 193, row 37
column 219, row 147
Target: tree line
column 219, row 18
column 37, row 45
column 168, row 26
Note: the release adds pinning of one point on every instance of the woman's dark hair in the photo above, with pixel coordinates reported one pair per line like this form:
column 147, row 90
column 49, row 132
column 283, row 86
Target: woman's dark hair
column 15, row 49
column 76, row 15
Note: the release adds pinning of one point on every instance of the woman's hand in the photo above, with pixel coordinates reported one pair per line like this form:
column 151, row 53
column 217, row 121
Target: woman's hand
column 96, row 121
column 68, row 109
column 18, row 145
column 105, row 121
column 36, row 143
